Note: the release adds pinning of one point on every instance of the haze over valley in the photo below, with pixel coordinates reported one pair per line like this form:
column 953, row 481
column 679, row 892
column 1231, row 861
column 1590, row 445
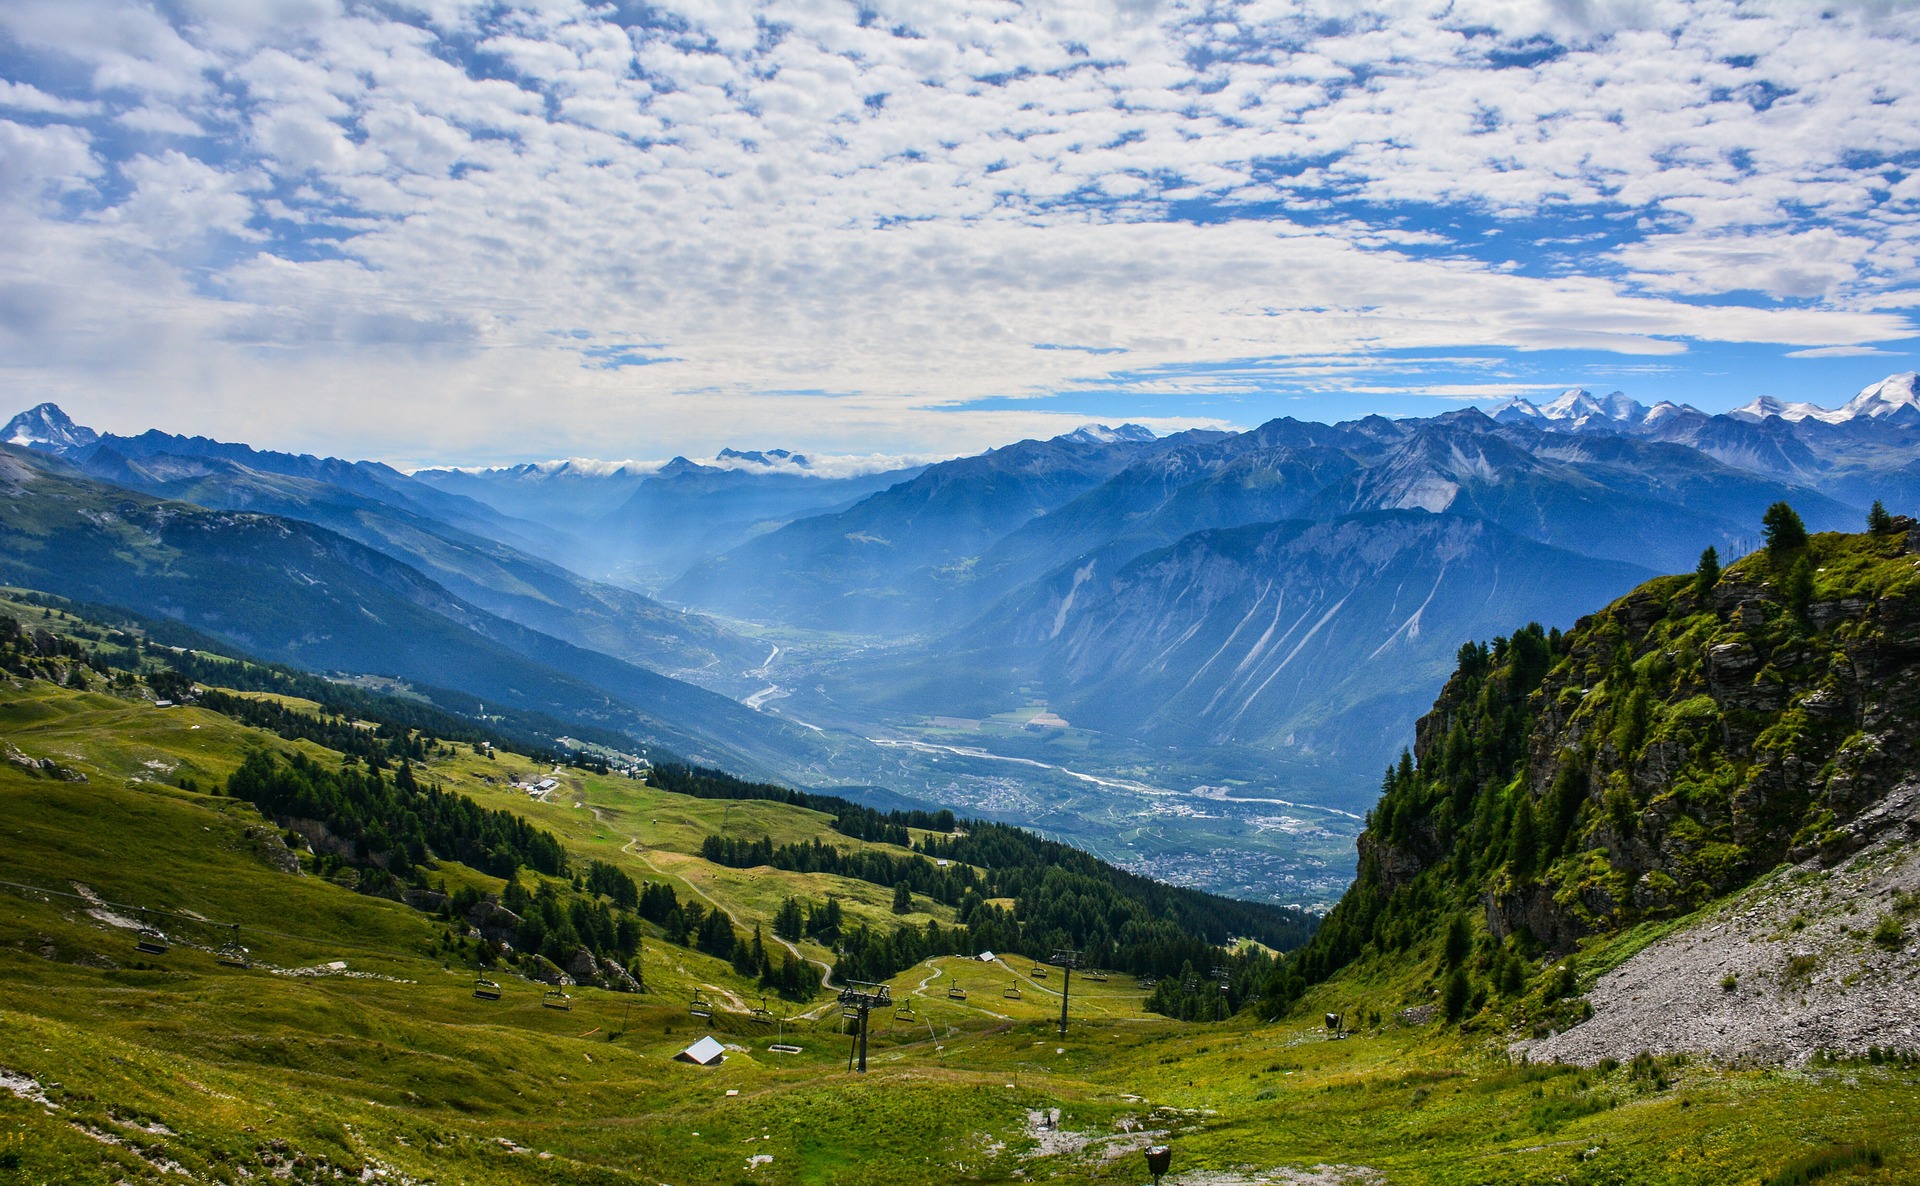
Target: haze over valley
column 1190, row 654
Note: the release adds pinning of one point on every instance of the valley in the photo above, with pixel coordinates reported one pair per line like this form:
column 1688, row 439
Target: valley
column 352, row 1043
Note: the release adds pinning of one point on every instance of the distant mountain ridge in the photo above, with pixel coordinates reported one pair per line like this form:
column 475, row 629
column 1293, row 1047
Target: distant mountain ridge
column 1005, row 578
column 298, row 593
column 490, row 559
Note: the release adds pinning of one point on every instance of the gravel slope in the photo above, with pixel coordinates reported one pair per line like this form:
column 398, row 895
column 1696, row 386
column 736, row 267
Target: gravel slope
column 1810, row 973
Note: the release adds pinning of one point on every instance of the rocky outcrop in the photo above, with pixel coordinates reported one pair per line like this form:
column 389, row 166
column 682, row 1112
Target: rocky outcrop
column 494, row 921
column 1712, row 737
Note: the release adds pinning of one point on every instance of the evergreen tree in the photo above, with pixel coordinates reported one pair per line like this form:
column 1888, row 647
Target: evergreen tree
column 1524, row 842
column 1454, row 996
column 1707, row 575
column 1457, row 942
column 788, row 922
column 1799, row 590
column 1785, row 531
column 1878, row 521
column 902, row 899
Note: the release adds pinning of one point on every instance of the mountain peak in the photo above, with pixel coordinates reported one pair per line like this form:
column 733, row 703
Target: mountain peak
column 769, row 458
column 1100, row 434
column 1893, row 395
column 47, row 429
column 1884, row 398
column 1577, row 407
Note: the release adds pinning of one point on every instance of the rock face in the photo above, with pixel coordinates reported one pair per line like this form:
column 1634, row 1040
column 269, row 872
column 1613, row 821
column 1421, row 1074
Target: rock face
column 1670, row 750
column 1314, row 638
column 1715, row 736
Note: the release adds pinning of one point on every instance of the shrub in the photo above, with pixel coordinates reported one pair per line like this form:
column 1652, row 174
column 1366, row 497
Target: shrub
column 1815, row 1166
column 1889, row 934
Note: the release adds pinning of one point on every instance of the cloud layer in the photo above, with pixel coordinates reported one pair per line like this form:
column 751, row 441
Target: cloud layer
column 442, row 229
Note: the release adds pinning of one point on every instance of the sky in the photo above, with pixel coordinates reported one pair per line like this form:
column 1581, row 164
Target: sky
column 437, row 231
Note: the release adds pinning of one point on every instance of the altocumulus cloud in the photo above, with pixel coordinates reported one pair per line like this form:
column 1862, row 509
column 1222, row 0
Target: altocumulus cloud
column 846, row 224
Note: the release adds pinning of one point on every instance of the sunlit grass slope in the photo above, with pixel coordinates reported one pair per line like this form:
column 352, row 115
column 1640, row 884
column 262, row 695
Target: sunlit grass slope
column 354, row 1044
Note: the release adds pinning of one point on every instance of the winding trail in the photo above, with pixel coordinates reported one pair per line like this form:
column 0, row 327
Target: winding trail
column 632, row 848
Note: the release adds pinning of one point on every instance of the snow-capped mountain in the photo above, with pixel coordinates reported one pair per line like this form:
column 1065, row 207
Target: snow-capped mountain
column 1100, row 434
column 1894, row 395
column 47, row 429
column 1579, row 409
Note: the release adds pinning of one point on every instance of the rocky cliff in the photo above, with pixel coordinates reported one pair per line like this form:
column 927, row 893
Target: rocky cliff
column 1669, row 750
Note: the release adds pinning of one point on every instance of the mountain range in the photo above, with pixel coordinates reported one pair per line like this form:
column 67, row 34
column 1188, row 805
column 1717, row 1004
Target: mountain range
column 1155, row 617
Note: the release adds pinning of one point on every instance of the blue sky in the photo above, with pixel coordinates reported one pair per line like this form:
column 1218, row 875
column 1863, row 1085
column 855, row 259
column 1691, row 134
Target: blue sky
column 431, row 230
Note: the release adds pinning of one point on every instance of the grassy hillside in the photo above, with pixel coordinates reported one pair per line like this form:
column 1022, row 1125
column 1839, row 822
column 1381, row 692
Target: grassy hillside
column 354, row 1046
column 300, row 594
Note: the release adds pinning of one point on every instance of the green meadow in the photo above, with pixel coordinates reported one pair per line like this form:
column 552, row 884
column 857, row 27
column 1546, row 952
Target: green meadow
column 353, row 1047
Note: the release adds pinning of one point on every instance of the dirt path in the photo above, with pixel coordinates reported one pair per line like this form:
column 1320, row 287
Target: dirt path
column 632, row 848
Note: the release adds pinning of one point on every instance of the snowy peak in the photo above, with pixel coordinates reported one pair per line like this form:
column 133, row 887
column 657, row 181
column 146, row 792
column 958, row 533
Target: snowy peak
column 764, row 458
column 1578, row 408
column 1100, row 434
column 1516, row 411
column 1885, row 398
column 1891, row 396
column 47, row 429
column 1767, row 407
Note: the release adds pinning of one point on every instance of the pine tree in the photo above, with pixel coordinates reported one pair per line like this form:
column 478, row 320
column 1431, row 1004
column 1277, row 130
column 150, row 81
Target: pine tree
column 1454, row 996
column 1878, row 521
column 1799, row 591
column 902, row 898
column 1707, row 575
column 1785, row 531
column 1458, row 940
column 1524, row 844
column 788, row 923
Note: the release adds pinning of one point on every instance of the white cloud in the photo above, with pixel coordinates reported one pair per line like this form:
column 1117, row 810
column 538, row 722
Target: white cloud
column 342, row 207
column 1845, row 352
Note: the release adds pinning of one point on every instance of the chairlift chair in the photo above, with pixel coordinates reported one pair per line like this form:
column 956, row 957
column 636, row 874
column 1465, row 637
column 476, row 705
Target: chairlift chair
column 761, row 1013
column 486, row 990
column 555, row 999
column 1039, row 973
column 904, row 1012
column 700, row 1006
column 231, row 954
column 1097, row 976
column 956, row 993
column 1012, row 992
column 151, row 941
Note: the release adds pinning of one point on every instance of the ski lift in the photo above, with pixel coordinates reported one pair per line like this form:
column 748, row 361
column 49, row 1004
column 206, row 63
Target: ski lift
column 956, row 993
column 151, row 941
column 1097, row 976
column 904, row 1012
column 780, row 1043
column 556, row 999
column 231, row 954
column 486, row 990
column 1012, row 992
column 761, row 1013
column 1147, row 982
column 700, row 1006
column 1039, row 973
